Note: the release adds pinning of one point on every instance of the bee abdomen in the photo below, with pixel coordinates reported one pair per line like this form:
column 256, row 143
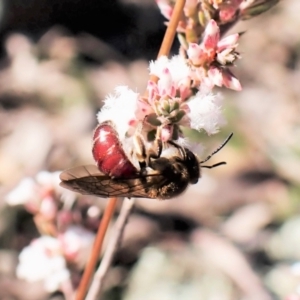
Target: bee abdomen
column 109, row 154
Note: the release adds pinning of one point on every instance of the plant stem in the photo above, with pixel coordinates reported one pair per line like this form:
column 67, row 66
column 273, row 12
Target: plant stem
column 98, row 280
column 90, row 267
column 109, row 210
column 170, row 32
column 171, row 29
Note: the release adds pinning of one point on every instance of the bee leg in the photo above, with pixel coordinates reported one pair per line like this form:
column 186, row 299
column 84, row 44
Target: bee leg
column 155, row 151
column 140, row 151
column 144, row 156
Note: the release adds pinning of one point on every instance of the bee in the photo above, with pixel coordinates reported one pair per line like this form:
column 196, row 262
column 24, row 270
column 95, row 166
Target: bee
column 158, row 178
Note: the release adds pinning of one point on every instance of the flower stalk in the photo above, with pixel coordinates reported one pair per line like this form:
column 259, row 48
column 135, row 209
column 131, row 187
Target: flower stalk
column 98, row 280
column 109, row 210
column 96, row 250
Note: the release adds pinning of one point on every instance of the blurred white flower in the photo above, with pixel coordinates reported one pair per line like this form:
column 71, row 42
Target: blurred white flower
column 76, row 244
column 32, row 192
column 42, row 260
column 295, row 268
column 50, row 179
column 48, row 208
column 22, row 193
column 206, row 112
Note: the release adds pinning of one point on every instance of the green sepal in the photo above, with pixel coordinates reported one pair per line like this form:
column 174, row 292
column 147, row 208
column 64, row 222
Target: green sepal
column 153, row 120
column 175, row 106
column 201, row 18
column 182, row 40
column 176, row 132
column 179, row 115
column 191, row 35
column 151, row 135
column 166, row 108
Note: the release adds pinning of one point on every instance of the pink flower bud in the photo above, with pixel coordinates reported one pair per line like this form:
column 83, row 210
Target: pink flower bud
column 185, row 90
column 226, row 15
column 228, row 42
column 231, row 82
column 76, row 244
column 166, row 133
column 143, row 109
column 211, row 35
column 195, row 54
column 152, row 90
column 165, row 85
column 48, row 208
column 215, row 75
column 64, row 219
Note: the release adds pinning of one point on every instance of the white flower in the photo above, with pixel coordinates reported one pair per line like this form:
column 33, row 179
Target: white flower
column 156, row 67
column 174, row 78
column 48, row 208
column 42, row 260
column 295, row 268
column 31, row 192
column 177, row 67
column 53, row 283
column 77, row 243
column 48, row 179
column 51, row 181
column 206, row 112
column 22, row 193
column 119, row 108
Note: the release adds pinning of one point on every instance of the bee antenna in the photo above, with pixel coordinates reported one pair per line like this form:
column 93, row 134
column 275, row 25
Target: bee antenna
column 215, row 165
column 216, row 151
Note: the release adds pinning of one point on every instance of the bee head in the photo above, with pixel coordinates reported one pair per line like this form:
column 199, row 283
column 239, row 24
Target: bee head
column 192, row 164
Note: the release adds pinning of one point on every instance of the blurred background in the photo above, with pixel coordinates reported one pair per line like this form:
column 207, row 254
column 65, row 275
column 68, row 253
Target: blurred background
column 234, row 235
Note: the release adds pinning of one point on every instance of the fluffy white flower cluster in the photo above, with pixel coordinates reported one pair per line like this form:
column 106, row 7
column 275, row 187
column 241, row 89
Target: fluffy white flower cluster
column 169, row 103
column 76, row 243
column 43, row 261
column 119, row 108
column 45, row 258
column 206, row 112
column 31, row 191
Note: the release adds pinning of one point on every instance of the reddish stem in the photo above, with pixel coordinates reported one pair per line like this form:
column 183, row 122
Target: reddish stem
column 90, row 266
column 170, row 32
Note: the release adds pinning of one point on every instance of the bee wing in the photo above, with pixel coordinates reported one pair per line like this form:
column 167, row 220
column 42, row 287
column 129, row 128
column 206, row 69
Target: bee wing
column 88, row 180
